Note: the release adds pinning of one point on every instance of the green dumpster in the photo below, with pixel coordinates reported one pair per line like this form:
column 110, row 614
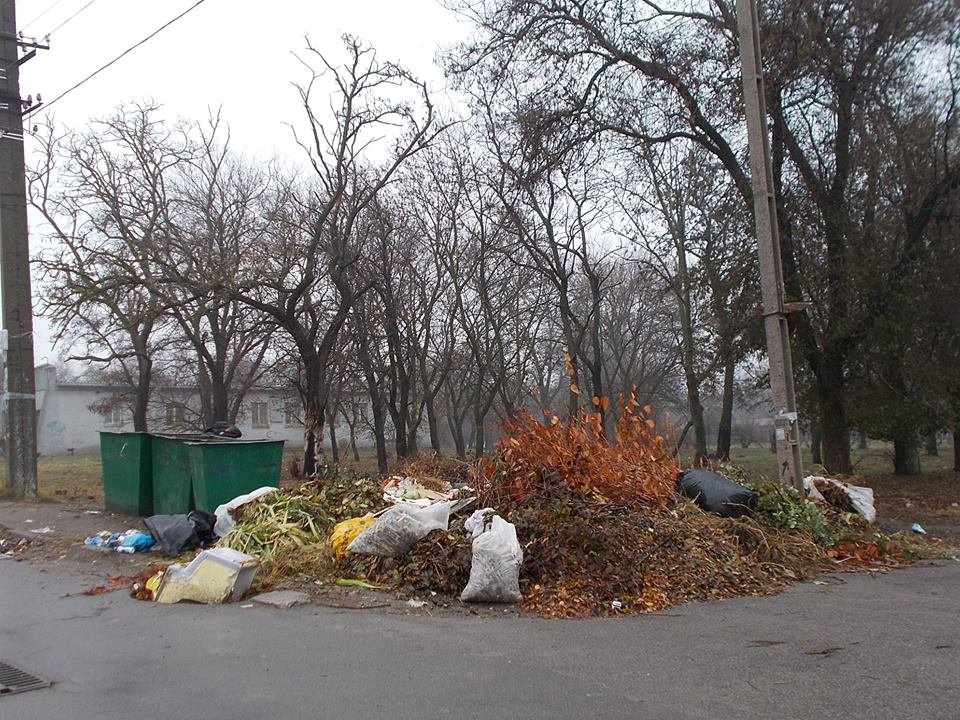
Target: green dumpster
column 224, row 469
column 172, row 479
column 127, row 480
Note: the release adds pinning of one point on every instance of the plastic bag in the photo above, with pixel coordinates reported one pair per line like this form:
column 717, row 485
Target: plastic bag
column 399, row 528
column 345, row 532
column 177, row 533
column 715, row 493
column 479, row 522
column 223, row 512
column 495, row 566
column 861, row 498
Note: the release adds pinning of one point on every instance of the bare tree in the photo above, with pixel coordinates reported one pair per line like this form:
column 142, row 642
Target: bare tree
column 104, row 195
column 306, row 279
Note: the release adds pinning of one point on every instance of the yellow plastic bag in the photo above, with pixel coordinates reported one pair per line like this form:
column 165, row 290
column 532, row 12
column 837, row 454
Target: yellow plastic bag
column 345, row 532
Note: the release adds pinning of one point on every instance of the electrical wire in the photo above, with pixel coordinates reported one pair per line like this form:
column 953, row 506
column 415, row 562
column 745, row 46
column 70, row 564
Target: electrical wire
column 49, row 8
column 118, row 57
column 70, row 18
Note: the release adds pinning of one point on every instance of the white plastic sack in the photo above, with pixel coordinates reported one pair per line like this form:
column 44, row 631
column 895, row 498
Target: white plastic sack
column 225, row 522
column 399, row 528
column 476, row 523
column 495, row 566
column 860, row 497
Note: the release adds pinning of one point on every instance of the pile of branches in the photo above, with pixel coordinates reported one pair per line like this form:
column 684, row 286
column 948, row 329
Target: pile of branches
column 635, row 470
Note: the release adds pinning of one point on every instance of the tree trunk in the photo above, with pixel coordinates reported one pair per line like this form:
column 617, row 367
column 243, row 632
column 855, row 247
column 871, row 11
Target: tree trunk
column 352, row 424
column 380, row 437
column 313, row 415
column 399, row 418
column 142, row 397
column 906, row 457
column 726, row 410
column 696, row 420
column 815, row 448
column 956, row 450
column 478, row 437
column 334, row 450
column 434, row 424
column 688, row 354
column 455, row 422
column 379, row 420
column 413, row 445
column 930, row 443
column 312, row 442
column 835, row 433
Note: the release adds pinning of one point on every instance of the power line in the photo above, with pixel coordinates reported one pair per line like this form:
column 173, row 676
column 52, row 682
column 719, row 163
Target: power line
column 49, row 8
column 121, row 55
column 71, row 17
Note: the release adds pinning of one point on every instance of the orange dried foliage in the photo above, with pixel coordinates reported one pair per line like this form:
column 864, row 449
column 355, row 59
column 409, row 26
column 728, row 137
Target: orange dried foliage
column 635, row 469
column 858, row 552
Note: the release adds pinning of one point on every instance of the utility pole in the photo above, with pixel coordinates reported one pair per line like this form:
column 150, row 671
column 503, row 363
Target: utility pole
column 15, row 269
column 789, row 468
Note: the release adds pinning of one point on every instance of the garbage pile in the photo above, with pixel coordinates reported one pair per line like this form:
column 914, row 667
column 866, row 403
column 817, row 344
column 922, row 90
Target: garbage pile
column 558, row 519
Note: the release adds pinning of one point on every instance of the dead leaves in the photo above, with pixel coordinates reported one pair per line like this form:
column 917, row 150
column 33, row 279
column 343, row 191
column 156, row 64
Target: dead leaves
column 635, row 469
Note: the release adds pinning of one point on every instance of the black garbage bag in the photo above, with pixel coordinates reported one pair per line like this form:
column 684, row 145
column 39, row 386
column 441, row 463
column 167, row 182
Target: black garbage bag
column 177, row 533
column 717, row 494
column 221, row 428
column 203, row 523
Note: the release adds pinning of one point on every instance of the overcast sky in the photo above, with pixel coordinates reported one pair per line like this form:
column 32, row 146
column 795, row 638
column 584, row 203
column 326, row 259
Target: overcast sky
column 235, row 54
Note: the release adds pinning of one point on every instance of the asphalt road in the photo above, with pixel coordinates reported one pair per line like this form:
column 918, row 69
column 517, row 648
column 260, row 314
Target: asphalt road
column 860, row 646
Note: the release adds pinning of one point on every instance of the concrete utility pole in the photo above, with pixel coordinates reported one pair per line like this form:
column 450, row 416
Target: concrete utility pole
column 15, row 269
column 786, row 427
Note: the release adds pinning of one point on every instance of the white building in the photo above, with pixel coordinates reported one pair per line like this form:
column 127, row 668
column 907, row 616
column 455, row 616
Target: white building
column 67, row 419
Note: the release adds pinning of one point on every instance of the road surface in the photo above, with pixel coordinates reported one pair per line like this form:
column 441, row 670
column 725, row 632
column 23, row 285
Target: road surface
column 859, row 646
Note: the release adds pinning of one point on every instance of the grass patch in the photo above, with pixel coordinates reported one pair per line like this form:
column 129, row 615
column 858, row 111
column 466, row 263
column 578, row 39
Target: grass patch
column 876, row 459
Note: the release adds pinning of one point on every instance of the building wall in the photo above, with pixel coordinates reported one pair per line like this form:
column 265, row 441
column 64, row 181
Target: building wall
column 65, row 422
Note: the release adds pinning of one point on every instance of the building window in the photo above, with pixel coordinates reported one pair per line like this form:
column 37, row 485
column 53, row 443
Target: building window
column 115, row 416
column 291, row 415
column 176, row 414
column 260, row 417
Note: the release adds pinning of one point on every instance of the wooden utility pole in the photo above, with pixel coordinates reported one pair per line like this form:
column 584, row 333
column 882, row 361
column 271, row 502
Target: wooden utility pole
column 789, row 468
column 19, row 398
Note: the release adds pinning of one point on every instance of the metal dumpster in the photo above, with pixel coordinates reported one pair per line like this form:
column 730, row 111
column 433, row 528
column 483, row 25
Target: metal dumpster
column 172, row 478
column 127, row 476
column 223, row 469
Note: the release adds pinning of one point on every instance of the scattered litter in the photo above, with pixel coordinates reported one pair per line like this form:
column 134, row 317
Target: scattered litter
column 495, row 566
column 28, row 520
column 42, row 531
column 417, row 603
column 717, row 494
column 841, row 495
column 129, row 541
column 421, row 492
column 10, row 547
column 147, row 582
column 213, row 576
column 918, row 529
column 616, row 605
column 91, row 512
column 247, row 607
